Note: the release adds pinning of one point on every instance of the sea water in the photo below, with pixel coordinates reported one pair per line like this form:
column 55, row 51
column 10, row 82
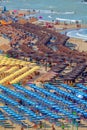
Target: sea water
column 78, row 33
column 63, row 10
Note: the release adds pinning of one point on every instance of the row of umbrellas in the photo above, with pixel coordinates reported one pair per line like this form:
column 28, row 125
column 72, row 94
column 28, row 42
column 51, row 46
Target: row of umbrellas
column 48, row 104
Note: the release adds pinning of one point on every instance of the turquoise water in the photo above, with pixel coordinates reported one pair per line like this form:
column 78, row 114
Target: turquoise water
column 62, row 9
column 78, row 33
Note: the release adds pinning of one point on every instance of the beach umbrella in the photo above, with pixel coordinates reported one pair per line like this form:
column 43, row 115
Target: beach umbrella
column 40, row 17
column 5, row 8
column 15, row 11
column 7, row 55
column 20, row 14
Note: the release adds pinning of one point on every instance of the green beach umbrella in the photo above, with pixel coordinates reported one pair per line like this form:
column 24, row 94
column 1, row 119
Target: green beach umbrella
column 7, row 55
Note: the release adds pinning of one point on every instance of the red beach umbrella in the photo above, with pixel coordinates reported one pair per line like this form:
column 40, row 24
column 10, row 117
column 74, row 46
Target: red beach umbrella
column 15, row 11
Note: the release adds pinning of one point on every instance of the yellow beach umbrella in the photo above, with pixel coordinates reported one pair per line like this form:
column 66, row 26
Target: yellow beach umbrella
column 11, row 76
column 24, row 75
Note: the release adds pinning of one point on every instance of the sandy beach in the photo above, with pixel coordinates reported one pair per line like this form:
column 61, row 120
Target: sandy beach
column 4, row 44
column 81, row 46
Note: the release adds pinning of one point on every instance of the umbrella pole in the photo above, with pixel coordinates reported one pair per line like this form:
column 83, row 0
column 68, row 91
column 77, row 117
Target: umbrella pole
column 72, row 127
column 77, row 126
column 44, row 125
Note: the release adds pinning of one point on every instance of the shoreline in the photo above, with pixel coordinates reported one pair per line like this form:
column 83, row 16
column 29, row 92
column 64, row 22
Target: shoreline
column 49, row 15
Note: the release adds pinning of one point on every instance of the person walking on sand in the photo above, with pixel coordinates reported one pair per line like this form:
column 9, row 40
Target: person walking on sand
column 53, row 128
column 62, row 126
column 22, row 128
column 41, row 125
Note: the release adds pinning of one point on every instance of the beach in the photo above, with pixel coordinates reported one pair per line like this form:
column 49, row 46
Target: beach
column 71, row 10
column 19, row 38
column 81, row 44
column 59, row 27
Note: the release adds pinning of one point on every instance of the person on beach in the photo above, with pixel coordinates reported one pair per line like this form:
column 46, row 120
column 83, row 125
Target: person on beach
column 62, row 126
column 53, row 128
column 22, row 128
column 41, row 125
